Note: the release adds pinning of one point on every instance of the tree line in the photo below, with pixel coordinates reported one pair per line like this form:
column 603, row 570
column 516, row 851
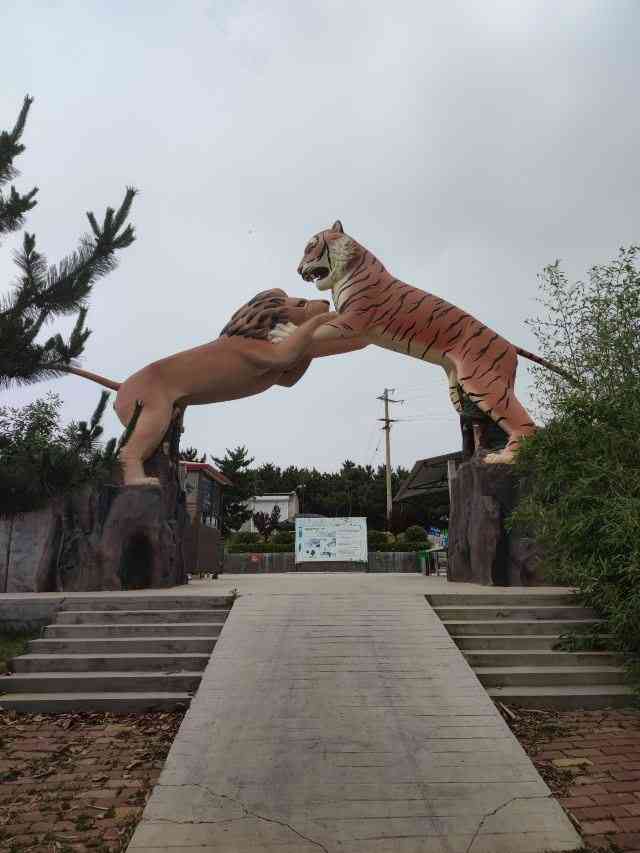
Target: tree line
column 353, row 490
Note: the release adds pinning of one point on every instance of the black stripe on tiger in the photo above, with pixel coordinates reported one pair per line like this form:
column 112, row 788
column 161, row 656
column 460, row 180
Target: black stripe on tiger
column 494, row 362
column 431, row 343
column 484, row 349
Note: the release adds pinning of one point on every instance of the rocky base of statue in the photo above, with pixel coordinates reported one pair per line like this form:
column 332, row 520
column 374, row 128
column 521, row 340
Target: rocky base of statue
column 109, row 537
column 481, row 549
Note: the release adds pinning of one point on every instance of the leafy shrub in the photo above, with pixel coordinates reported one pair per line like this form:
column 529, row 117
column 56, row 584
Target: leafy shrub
column 376, row 539
column 415, row 533
column 245, row 537
column 283, row 537
column 259, row 548
column 40, row 459
column 582, row 471
column 403, row 547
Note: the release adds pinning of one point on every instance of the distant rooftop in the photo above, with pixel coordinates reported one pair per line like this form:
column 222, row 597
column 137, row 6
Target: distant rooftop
column 208, row 470
column 427, row 477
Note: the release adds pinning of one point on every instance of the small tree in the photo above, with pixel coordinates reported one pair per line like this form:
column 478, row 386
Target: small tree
column 192, row 454
column 42, row 292
column 235, row 465
column 267, row 523
column 39, row 459
column 583, row 468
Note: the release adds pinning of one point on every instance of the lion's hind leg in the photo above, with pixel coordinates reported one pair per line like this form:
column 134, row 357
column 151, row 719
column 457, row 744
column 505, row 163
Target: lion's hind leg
column 154, row 419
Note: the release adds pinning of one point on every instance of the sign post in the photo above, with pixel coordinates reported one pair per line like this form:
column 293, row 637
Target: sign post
column 321, row 540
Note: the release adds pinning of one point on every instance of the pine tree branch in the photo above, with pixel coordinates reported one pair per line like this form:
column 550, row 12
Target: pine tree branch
column 14, row 208
column 10, row 146
column 41, row 293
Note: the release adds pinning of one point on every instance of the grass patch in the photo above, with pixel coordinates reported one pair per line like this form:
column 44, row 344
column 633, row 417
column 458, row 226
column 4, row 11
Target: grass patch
column 13, row 643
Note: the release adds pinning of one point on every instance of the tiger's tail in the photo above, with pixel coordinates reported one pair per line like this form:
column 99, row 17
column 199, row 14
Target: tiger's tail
column 94, row 377
column 549, row 366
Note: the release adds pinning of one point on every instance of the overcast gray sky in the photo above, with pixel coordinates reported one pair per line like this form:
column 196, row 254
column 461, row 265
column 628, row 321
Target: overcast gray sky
column 467, row 144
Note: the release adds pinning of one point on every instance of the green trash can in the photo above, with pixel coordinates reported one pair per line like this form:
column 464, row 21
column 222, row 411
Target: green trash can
column 422, row 562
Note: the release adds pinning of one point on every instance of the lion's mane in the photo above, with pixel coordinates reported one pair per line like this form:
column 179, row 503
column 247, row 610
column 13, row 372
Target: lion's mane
column 261, row 314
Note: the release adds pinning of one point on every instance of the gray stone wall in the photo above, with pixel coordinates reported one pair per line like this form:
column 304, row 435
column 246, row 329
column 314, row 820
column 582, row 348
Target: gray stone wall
column 29, row 613
column 379, row 561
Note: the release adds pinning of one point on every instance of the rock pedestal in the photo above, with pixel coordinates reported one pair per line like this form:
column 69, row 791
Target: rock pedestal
column 106, row 537
column 481, row 550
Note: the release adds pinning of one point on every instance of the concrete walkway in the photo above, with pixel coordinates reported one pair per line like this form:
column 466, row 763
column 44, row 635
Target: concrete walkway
column 337, row 715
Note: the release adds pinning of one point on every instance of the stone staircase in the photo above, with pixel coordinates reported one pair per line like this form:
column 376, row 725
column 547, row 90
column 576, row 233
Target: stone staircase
column 117, row 653
column 510, row 640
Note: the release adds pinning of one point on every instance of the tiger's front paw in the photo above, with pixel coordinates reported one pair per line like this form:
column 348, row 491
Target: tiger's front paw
column 281, row 331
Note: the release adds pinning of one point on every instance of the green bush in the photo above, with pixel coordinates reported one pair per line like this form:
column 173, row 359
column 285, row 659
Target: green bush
column 258, row 548
column 245, row 537
column 582, row 471
column 403, row 547
column 376, row 539
column 283, row 537
column 415, row 533
column 40, row 459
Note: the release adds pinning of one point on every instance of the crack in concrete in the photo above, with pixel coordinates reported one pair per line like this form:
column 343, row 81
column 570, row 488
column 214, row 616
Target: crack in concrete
column 499, row 809
column 246, row 813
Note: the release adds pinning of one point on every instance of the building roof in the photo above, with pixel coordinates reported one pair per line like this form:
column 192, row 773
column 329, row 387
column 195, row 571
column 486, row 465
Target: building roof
column 427, row 477
column 208, row 471
column 273, row 496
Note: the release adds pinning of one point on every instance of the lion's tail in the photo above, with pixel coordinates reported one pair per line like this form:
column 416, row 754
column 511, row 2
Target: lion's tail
column 94, row 377
column 549, row 366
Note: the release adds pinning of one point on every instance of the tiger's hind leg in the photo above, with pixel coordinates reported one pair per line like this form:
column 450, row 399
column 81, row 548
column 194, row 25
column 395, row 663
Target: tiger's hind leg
column 491, row 388
column 455, row 394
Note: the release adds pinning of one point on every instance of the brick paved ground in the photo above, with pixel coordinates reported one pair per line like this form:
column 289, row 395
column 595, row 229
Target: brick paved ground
column 72, row 783
column 591, row 761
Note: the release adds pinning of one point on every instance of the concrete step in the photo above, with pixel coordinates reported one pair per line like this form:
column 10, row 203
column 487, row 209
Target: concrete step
column 499, row 641
column 156, row 645
column 518, row 626
column 539, row 676
column 124, row 703
column 94, row 682
column 539, row 657
column 147, row 602
column 506, row 599
column 492, row 613
column 139, row 617
column 604, row 696
column 124, row 662
column 180, row 629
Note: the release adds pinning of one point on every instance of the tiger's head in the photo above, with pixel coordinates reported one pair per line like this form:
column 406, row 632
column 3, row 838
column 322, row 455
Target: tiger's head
column 328, row 257
column 270, row 309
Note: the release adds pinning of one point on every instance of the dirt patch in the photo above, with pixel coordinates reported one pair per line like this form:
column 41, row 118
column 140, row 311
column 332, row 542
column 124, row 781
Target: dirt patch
column 73, row 783
column 591, row 762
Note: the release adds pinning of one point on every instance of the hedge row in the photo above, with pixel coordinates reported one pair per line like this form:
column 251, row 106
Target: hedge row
column 275, row 548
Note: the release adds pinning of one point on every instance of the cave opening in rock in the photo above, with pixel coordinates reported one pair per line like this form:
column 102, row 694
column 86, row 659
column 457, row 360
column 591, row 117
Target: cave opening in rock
column 136, row 563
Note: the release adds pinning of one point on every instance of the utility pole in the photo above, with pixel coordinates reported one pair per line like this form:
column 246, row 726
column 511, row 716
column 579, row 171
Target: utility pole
column 387, row 428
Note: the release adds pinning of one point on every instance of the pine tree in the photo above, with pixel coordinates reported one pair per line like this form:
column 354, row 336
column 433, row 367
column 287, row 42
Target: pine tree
column 192, row 454
column 235, row 465
column 42, row 292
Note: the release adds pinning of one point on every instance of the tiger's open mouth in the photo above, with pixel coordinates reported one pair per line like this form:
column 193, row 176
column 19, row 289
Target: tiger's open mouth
column 315, row 273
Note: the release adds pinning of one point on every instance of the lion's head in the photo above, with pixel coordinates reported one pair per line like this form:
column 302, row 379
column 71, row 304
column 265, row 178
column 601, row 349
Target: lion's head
column 268, row 309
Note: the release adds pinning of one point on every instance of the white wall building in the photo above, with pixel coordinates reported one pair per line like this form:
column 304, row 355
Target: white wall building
column 288, row 503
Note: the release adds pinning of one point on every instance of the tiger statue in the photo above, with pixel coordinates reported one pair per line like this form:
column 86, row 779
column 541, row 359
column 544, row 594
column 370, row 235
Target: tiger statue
column 267, row 342
column 374, row 307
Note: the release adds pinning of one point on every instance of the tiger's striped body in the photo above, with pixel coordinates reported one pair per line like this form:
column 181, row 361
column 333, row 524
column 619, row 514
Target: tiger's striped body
column 379, row 309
